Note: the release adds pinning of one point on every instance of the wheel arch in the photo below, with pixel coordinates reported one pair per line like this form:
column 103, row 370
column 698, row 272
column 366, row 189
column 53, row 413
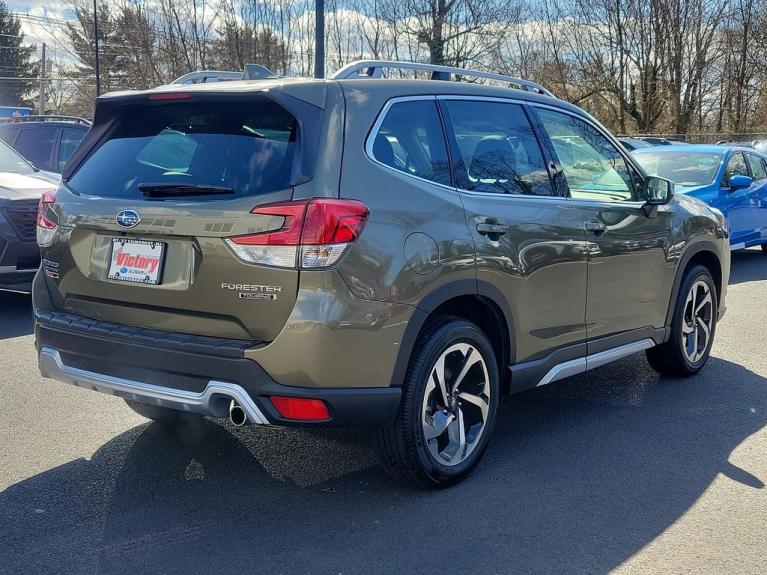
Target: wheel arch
column 705, row 253
column 478, row 302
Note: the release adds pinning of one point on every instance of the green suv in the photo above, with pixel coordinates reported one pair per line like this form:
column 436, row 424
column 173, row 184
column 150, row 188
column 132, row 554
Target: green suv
column 362, row 251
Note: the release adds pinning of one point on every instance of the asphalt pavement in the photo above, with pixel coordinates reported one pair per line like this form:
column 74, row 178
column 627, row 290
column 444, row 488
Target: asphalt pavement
column 615, row 470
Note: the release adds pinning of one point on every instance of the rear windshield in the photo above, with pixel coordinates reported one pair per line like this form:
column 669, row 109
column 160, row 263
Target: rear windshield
column 10, row 161
column 247, row 147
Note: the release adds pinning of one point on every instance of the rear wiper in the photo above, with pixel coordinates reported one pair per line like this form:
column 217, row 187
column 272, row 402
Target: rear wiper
column 178, row 190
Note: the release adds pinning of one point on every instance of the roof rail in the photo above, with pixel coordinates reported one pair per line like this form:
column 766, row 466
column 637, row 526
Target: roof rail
column 374, row 69
column 251, row 72
column 45, row 118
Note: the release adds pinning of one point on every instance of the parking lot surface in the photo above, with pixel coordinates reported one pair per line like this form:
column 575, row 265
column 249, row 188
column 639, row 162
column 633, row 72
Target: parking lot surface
column 614, row 470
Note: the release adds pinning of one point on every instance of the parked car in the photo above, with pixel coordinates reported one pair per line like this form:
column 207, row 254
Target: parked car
column 634, row 143
column 760, row 146
column 389, row 253
column 655, row 141
column 46, row 141
column 21, row 186
column 731, row 179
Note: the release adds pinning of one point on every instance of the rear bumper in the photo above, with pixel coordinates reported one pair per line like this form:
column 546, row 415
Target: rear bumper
column 212, row 401
column 199, row 375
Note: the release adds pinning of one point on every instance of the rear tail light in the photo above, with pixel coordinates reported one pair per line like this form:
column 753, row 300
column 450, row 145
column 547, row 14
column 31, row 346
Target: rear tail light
column 46, row 228
column 300, row 408
column 314, row 234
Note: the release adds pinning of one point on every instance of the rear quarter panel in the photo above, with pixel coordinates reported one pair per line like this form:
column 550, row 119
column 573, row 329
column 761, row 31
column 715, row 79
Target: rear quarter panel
column 426, row 216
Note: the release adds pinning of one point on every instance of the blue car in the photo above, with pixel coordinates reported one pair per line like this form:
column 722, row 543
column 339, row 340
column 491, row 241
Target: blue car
column 729, row 178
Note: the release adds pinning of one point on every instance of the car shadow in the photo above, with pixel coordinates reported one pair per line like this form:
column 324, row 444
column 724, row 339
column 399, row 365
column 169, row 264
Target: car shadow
column 15, row 314
column 748, row 266
column 580, row 476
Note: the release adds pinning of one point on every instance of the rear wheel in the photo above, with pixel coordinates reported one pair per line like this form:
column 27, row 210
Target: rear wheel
column 167, row 418
column 692, row 327
column 449, row 405
column 764, row 249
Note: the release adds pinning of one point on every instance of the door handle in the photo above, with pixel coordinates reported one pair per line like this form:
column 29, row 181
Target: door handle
column 597, row 227
column 493, row 231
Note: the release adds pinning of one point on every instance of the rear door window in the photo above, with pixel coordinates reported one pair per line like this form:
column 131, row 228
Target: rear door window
column 247, row 147
column 499, row 153
column 70, row 139
column 411, row 140
column 36, row 145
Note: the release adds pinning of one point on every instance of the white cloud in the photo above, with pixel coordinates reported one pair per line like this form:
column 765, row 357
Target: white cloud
column 44, row 22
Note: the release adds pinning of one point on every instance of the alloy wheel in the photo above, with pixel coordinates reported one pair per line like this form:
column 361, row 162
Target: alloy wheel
column 698, row 321
column 456, row 404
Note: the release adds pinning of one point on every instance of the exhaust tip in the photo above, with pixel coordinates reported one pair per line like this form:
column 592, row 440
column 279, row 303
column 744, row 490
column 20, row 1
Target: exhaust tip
column 236, row 414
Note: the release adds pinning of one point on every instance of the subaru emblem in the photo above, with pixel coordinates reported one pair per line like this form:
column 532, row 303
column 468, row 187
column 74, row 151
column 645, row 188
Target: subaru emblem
column 128, row 218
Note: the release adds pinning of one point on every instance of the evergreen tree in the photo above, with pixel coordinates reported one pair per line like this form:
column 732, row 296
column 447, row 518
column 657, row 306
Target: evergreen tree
column 19, row 75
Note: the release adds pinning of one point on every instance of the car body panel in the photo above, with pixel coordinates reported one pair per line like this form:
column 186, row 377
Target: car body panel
column 630, row 270
column 530, row 264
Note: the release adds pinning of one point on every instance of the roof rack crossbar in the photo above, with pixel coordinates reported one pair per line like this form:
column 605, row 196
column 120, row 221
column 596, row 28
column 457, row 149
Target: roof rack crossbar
column 45, row 118
column 251, row 72
column 202, row 76
column 374, row 69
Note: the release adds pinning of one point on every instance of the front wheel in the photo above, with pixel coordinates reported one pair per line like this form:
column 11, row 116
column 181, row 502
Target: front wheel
column 449, row 404
column 692, row 327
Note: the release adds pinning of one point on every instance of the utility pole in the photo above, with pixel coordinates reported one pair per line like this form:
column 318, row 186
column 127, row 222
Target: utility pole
column 319, row 39
column 43, row 70
column 96, row 39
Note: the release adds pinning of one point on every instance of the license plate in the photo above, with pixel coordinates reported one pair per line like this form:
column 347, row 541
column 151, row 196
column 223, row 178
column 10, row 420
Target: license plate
column 137, row 261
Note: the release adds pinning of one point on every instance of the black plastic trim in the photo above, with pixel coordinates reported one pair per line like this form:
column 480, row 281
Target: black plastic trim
column 436, row 298
column 687, row 255
column 528, row 374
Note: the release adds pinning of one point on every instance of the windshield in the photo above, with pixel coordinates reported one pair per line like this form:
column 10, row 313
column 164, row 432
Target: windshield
column 11, row 161
column 247, row 149
column 682, row 168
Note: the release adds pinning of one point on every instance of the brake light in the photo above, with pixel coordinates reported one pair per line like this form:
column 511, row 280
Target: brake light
column 170, row 96
column 300, row 408
column 46, row 228
column 317, row 232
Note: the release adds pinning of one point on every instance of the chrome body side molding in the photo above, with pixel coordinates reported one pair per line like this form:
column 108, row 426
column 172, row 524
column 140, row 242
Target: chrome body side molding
column 583, row 364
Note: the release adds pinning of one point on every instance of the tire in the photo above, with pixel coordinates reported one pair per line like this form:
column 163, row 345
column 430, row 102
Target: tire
column 764, row 249
column 677, row 357
column 168, row 418
column 442, row 460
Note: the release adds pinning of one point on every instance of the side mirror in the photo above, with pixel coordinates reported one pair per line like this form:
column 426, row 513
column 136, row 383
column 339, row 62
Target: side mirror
column 657, row 191
column 739, row 182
